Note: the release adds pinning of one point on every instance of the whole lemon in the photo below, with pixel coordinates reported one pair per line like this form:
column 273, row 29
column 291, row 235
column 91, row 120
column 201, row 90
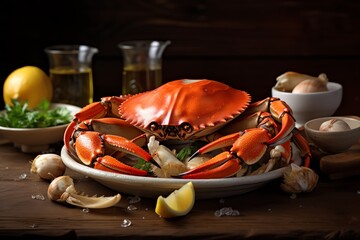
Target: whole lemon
column 29, row 84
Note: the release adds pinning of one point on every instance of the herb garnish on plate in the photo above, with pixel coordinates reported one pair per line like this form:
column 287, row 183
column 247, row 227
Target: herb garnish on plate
column 20, row 116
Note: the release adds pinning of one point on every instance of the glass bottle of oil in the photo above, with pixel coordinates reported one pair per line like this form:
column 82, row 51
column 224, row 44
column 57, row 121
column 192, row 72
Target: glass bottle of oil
column 142, row 66
column 71, row 73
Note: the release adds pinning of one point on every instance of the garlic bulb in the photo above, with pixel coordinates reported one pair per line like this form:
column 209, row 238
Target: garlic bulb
column 48, row 166
column 299, row 179
column 334, row 125
column 287, row 81
column 310, row 86
column 62, row 189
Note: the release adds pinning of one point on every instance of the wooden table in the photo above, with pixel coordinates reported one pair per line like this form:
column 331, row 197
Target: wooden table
column 331, row 211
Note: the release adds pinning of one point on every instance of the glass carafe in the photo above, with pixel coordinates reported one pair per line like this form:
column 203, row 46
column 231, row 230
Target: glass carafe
column 71, row 73
column 142, row 69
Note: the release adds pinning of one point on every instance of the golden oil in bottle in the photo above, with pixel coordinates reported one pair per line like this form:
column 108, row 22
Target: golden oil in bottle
column 140, row 78
column 72, row 86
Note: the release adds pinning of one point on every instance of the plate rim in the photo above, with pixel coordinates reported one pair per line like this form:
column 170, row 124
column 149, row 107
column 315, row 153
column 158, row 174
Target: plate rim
column 71, row 163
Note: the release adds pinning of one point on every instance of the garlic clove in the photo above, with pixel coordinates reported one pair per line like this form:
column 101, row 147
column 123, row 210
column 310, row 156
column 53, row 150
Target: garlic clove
column 299, row 179
column 334, row 125
column 48, row 166
column 310, row 86
column 62, row 189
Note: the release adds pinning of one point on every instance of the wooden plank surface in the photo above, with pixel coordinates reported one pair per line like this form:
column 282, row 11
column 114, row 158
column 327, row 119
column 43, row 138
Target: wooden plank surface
column 331, row 211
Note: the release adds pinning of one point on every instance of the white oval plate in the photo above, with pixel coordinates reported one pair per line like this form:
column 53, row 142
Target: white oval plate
column 153, row 187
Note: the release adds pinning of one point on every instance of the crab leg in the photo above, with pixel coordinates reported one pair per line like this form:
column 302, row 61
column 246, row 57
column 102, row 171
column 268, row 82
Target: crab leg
column 282, row 113
column 220, row 166
column 301, row 142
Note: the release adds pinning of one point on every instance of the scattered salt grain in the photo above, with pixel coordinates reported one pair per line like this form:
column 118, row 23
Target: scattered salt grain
column 131, row 208
column 85, row 210
column 22, row 176
column 125, row 223
column 33, row 225
column 38, row 197
column 226, row 211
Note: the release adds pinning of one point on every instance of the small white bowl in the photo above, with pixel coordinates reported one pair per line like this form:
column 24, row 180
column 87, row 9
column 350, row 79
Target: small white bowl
column 37, row 139
column 333, row 142
column 307, row 106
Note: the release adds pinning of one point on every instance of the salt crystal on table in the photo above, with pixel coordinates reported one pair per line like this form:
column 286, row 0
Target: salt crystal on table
column 38, row 197
column 126, row 223
column 226, row 211
column 22, row 176
column 85, row 210
column 131, row 208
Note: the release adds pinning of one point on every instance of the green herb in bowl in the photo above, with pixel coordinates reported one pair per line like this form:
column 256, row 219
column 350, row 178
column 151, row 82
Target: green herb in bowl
column 20, row 116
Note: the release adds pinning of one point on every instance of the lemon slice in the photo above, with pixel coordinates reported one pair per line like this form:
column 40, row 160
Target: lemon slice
column 178, row 203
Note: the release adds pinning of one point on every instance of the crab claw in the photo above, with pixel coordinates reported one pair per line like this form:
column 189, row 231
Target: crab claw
column 249, row 145
column 111, row 164
column 225, row 141
column 220, row 166
column 282, row 112
column 90, row 148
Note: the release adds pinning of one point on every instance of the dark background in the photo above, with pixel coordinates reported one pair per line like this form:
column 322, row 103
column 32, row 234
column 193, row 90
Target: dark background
column 243, row 43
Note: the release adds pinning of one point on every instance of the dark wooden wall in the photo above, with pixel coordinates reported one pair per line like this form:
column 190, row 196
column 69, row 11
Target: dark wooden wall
column 243, row 43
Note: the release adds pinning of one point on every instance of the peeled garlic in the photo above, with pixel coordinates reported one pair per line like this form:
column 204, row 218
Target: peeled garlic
column 48, row 166
column 62, row 189
column 310, row 86
column 299, row 179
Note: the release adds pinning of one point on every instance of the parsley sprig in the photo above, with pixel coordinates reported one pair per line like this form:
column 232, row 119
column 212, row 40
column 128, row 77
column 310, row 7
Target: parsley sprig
column 20, row 116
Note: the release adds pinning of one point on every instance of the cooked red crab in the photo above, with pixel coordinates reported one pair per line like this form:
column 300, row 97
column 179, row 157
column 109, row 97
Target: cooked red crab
column 184, row 110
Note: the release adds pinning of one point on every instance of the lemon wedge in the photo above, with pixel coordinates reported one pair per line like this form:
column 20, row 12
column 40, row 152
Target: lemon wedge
column 178, row 203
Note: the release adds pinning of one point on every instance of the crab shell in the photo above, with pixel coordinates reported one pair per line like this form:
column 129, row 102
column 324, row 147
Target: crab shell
column 199, row 103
